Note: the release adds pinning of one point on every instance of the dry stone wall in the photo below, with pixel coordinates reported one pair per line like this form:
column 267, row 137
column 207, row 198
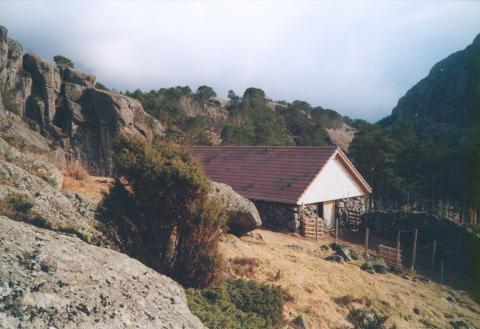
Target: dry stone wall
column 357, row 204
column 280, row 216
column 287, row 217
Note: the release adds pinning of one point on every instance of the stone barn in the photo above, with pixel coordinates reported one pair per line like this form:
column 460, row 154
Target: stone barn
column 291, row 186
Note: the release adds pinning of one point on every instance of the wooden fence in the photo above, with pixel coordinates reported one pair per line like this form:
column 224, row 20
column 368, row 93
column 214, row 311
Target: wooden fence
column 392, row 256
column 311, row 228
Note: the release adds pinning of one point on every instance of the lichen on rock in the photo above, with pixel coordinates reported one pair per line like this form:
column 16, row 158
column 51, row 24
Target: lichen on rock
column 50, row 280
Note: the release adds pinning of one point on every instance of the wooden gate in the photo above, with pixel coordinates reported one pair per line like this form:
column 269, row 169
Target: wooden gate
column 392, row 256
column 311, row 228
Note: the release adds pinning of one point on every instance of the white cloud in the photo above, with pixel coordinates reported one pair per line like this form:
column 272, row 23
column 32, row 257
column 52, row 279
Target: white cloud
column 355, row 57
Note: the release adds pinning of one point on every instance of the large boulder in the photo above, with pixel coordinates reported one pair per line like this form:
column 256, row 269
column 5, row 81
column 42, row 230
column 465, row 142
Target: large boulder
column 242, row 214
column 92, row 122
column 50, row 280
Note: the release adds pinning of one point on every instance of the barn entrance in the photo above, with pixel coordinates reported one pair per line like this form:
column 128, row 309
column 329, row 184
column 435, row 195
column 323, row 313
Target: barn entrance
column 327, row 213
column 320, row 220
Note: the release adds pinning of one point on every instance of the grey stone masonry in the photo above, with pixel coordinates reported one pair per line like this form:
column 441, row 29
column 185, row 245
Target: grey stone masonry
column 281, row 216
column 356, row 204
column 287, row 217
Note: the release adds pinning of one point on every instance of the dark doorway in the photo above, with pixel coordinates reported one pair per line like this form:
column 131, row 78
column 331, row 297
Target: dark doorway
column 320, row 210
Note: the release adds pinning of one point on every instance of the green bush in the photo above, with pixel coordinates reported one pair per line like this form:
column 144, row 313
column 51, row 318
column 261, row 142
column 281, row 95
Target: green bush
column 165, row 217
column 62, row 60
column 101, row 86
column 238, row 304
column 363, row 318
column 19, row 202
column 265, row 300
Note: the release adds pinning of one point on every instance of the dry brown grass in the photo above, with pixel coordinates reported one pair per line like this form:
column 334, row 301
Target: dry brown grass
column 76, row 171
column 244, row 267
column 78, row 180
column 325, row 291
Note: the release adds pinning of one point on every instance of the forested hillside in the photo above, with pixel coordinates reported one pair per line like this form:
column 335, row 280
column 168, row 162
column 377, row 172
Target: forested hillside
column 251, row 119
column 426, row 154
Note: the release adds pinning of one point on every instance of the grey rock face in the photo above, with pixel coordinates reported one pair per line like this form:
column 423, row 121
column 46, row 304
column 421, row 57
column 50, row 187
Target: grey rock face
column 77, row 77
column 31, row 165
column 67, row 107
column 50, row 280
column 14, row 82
column 243, row 216
column 443, row 103
column 11, row 53
column 46, row 82
column 40, row 183
column 3, row 115
column 93, row 122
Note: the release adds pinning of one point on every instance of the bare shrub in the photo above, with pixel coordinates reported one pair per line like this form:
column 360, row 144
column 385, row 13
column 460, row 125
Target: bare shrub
column 245, row 266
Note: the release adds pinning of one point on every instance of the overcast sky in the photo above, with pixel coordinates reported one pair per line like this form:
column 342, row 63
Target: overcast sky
column 357, row 58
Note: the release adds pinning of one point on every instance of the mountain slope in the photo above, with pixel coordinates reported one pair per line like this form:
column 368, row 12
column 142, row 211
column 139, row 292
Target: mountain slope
column 446, row 102
column 426, row 157
column 250, row 119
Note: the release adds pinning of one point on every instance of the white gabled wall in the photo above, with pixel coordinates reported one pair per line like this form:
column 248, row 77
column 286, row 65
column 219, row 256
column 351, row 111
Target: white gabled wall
column 334, row 182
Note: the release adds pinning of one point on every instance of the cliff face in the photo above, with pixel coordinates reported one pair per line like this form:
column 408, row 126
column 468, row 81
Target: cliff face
column 446, row 102
column 63, row 104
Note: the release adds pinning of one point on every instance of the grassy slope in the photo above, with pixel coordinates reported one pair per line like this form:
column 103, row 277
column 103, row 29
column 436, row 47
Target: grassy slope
column 317, row 286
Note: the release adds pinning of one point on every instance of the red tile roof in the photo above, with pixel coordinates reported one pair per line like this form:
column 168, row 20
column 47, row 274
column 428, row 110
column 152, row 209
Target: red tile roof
column 278, row 174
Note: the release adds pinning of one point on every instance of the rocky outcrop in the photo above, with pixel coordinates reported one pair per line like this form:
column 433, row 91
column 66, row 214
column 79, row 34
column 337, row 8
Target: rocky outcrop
column 46, row 87
column 341, row 136
column 67, row 108
column 3, row 115
column 50, row 280
column 446, row 102
column 30, row 191
column 242, row 214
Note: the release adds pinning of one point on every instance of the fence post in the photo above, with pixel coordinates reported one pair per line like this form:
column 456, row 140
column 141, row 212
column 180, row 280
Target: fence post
column 434, row 250
column 367, row 232
column 398, row 250
column 441, row 272
column 336, row 229
column 414, row 249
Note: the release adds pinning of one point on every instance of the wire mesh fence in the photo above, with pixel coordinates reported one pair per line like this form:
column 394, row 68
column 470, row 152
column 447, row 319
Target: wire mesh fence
column 406, row 250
